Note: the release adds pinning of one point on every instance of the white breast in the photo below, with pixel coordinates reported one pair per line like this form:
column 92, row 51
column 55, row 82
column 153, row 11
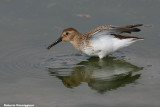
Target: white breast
column 105, row 44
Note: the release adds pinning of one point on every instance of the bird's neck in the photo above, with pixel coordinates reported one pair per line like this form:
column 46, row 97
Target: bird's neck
column 77, row 41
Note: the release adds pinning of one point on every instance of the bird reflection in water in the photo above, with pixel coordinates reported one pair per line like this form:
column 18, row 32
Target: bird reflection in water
column 101, row 75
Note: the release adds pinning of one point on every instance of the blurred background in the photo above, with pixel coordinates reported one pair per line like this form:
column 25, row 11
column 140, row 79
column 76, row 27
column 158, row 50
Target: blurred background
column 63, row 77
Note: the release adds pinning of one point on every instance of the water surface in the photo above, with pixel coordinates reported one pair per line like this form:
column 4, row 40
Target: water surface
column 63, row 77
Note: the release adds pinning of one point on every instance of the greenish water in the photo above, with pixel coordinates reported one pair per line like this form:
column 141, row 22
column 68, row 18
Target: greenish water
column 101, row 76
column 63, row 77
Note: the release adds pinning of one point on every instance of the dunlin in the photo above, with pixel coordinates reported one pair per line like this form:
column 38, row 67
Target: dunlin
column 100, row 41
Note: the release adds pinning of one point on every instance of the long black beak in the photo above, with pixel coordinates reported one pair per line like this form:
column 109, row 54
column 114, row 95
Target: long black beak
column 54, row 43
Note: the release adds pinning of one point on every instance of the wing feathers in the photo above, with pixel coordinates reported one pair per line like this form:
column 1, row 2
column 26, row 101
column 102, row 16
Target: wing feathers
column 127, row 28
column 114, row 30
column 127, row 37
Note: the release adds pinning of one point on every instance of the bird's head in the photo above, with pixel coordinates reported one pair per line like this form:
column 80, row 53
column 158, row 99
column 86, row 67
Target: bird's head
column 67, row 35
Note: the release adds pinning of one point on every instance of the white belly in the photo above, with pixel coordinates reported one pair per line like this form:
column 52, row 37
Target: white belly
column 105, row 44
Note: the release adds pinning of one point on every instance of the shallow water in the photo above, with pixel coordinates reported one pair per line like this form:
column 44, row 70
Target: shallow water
column 63, row 77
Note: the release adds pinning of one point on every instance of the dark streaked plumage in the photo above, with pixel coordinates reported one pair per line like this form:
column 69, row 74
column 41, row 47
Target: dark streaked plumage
column 100, row 41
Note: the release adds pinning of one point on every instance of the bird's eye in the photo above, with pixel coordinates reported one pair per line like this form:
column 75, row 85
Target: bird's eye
column 67, row 33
